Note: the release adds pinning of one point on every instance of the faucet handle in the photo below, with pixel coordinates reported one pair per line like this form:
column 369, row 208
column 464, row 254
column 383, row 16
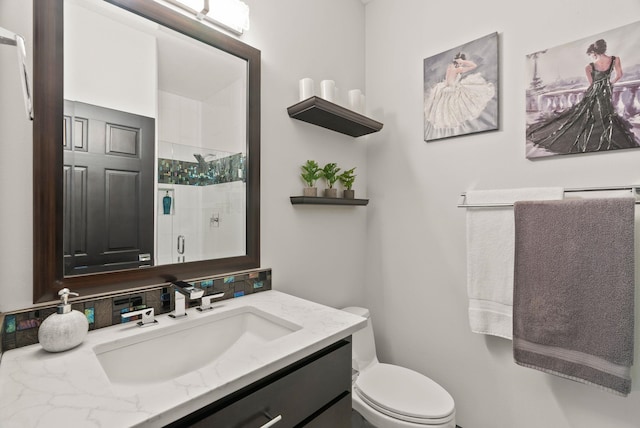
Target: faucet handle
column 148, row 317
column 188, row 290
column 206, row 301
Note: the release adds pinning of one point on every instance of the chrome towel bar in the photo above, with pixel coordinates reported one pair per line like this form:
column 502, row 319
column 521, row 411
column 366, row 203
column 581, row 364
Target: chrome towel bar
column 634, row 189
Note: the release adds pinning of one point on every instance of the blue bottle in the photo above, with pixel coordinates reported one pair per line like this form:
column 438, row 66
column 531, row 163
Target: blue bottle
column 166, row 204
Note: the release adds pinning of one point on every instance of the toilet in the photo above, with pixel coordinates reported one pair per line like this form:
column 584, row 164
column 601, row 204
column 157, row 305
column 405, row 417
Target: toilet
column 390, row 396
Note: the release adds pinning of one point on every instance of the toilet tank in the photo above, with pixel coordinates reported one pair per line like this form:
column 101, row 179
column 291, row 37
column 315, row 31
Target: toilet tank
column 363, row 342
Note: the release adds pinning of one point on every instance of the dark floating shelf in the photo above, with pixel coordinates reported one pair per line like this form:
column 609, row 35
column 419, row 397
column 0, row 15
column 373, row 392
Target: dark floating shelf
column 326, row 114
column 295, row 200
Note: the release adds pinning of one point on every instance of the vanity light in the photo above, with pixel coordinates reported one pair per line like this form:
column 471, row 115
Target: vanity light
column 232, row 15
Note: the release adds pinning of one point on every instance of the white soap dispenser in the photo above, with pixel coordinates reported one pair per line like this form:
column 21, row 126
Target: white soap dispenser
column 65, row 329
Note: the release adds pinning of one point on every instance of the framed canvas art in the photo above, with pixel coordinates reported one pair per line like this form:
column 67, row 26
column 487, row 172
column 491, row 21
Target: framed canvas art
column 582, row 97
column 461, row 90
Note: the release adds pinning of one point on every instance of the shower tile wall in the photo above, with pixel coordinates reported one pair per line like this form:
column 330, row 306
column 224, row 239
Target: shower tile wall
column 20, row 328
column 208, row 204
column 210, row 218
column 186, row 222
column 179, row 120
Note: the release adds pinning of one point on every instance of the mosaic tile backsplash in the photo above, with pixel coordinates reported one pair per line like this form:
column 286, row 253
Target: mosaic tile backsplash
column 202, row 173
column 20, row 328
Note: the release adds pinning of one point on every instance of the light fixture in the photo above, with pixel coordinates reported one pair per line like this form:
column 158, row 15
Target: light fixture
column 9, row 38
column 232, row 15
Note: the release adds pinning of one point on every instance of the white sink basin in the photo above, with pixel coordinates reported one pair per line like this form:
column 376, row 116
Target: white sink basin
column 161, row 353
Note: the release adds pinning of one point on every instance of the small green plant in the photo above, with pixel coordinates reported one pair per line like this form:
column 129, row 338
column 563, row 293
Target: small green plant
column 330, row 173
column 310, row 173
column 347, row 178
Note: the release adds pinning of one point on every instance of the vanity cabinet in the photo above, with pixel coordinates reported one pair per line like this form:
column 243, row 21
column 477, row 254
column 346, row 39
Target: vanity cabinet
column 312, row 392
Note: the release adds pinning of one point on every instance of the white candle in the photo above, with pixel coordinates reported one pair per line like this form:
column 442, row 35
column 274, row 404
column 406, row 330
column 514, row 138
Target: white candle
column 355, row 100
column 328, row 90
column 306, row 88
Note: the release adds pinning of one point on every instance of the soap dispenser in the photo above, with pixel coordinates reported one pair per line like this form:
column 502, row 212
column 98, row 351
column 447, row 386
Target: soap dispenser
column 65, row 329
column 166, row 204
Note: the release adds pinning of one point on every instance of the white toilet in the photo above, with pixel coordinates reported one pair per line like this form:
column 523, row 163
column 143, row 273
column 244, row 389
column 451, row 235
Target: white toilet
column 390, row 396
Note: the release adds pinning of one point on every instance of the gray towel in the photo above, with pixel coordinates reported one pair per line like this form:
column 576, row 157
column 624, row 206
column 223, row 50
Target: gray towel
column 574, row 289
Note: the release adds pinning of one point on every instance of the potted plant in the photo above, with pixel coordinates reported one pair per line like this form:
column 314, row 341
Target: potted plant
column 346, row 179
column 330, row 174
column 310, row 173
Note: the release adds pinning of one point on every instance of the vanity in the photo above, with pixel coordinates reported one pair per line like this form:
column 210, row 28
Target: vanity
column 267, row 359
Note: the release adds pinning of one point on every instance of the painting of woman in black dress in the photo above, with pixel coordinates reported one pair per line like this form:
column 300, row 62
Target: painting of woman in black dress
column 570, row 119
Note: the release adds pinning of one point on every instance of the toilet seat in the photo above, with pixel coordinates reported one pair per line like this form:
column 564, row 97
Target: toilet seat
column 404, row 394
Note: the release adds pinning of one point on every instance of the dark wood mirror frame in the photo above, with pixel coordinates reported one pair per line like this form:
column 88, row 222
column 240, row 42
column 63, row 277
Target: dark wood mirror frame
column 48, row 275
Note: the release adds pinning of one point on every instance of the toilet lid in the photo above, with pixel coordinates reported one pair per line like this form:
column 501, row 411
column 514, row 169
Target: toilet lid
column 404, row 394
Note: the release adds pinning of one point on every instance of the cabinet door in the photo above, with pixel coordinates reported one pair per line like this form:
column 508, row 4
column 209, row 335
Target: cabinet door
column 298, row 394
column 338, row 415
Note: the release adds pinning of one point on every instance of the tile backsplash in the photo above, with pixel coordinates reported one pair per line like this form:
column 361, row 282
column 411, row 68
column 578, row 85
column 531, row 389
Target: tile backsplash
column 224, row 170
column 20, row 328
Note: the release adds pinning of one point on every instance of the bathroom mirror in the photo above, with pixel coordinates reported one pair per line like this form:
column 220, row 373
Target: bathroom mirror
column 183, row 168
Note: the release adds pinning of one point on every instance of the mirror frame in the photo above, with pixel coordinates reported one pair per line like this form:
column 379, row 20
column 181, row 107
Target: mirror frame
column 48, row 275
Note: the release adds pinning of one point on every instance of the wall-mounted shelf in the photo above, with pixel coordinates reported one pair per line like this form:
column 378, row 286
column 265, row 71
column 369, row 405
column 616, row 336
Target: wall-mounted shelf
column 317, row 200
column 328, row 115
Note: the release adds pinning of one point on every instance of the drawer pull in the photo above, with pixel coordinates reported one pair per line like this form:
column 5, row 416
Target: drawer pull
column 272, row 422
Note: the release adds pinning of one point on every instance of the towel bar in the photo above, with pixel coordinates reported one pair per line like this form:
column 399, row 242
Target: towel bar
column 634, row 189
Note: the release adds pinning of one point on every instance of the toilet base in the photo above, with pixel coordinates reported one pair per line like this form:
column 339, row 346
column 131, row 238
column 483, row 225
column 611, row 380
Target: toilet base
column 358, row 421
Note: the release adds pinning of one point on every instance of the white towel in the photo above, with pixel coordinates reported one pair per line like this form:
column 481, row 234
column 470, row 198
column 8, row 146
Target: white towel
column 490, row 257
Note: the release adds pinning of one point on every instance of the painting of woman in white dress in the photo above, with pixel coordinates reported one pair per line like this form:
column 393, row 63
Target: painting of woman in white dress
column 460, row 96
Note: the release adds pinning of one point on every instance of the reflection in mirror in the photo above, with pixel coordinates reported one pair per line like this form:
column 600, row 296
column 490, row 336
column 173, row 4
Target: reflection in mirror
column 201, row 205
column 195, row 96
column 160, row 162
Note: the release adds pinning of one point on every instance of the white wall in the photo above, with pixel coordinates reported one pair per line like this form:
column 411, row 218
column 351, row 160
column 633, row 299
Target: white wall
column 316, row 252
column 16, row 165
column 416, row 278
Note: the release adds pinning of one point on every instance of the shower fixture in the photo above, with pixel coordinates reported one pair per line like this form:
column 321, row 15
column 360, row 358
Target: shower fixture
column 202, row 160
column 204, row 165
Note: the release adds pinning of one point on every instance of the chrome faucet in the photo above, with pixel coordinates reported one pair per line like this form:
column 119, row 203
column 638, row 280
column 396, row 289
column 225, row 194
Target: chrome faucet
column 182, row 290
column 206, row 303
column 148, row 317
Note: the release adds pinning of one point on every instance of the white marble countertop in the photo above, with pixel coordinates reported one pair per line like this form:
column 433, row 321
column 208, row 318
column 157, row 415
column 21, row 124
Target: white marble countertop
column 70, row 389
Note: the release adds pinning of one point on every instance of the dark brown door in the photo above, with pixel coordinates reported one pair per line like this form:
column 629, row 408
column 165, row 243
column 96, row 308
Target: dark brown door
column 108, row 189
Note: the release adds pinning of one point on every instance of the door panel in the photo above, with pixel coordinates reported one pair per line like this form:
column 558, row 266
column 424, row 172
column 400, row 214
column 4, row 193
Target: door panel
column 109, row 162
